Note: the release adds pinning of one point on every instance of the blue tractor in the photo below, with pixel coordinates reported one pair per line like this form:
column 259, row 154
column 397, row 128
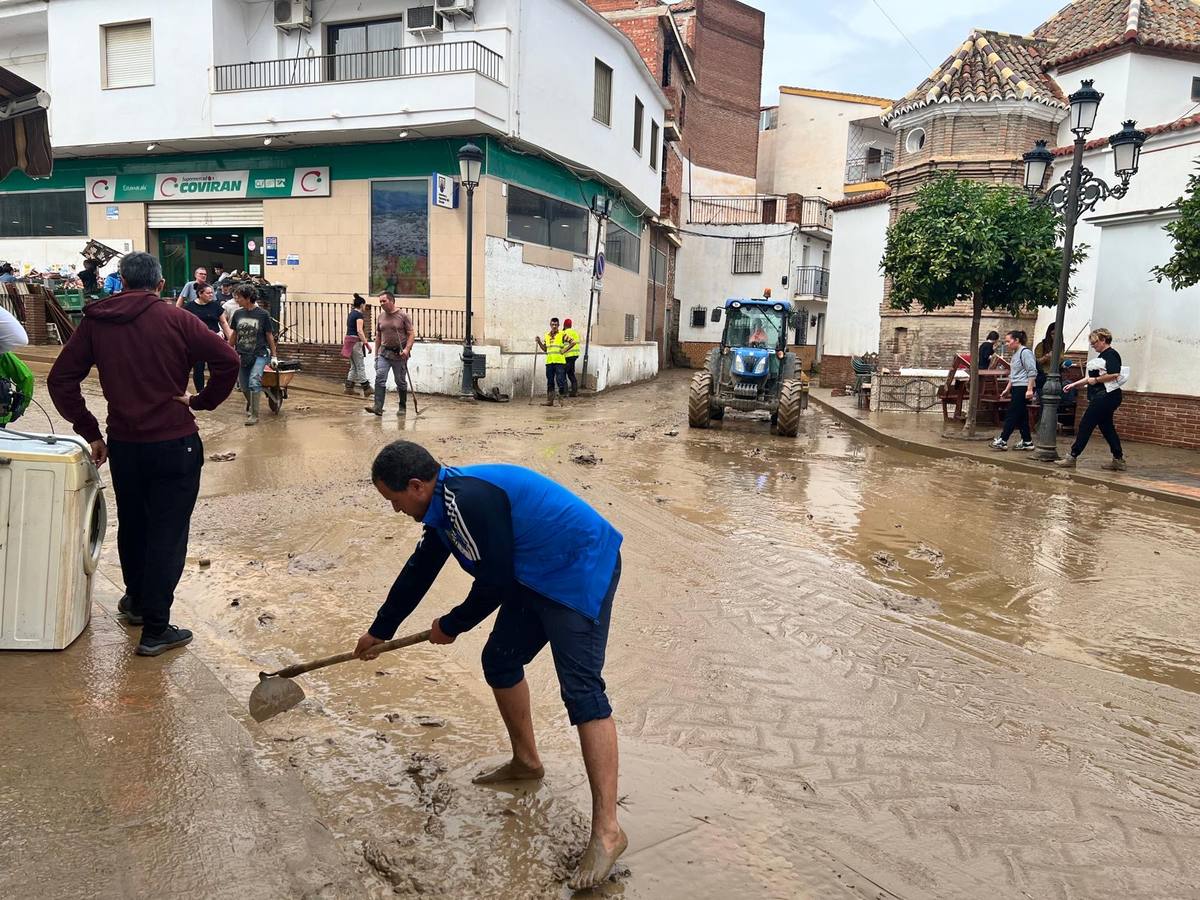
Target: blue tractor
column 752, row 369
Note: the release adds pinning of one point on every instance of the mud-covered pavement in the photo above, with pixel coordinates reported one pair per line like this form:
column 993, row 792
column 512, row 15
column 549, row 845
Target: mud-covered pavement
column 838, row 669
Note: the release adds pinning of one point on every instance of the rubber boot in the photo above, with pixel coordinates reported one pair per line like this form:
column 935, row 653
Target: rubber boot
column 402, row 400
column 246, row 394
column 366, row 389
column 377, row 409
column 255, row 398
column 350, row 388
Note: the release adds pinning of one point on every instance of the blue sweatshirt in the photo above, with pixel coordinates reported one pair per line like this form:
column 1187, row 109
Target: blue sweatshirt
column 507, row 526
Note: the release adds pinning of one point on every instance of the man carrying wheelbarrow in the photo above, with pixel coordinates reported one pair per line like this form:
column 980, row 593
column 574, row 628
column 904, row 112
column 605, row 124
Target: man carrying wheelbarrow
column 550, row 564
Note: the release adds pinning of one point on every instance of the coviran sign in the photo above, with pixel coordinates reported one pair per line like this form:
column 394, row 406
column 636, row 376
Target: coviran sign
column 244, row 184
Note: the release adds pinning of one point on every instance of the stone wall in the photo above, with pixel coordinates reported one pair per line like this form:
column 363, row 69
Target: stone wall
column 930, row 340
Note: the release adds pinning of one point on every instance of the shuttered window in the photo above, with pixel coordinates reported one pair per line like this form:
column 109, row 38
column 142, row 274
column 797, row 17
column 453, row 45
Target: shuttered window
column 653, row 144
column 637, row 124
column 193, row 214
column 128, row 55
column 602, row 94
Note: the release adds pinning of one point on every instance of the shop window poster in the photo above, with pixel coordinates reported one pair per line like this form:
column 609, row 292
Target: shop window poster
column 400, row 237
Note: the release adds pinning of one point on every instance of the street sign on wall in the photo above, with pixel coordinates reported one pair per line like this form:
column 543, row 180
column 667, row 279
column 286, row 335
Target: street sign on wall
column 242, row 184
column 445, row 191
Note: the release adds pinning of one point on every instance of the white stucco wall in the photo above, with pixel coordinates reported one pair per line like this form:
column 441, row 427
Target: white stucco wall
column 1153, row 90
column 437, row 369
column 1155, row 329
column 714, row 183
column 703, row 275
column 855, row 281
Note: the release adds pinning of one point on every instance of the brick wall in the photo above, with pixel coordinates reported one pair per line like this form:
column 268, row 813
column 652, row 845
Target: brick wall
column 930, row 340
column 1169, row 419
column 322, row 360
column 723, row 106
column 695, row 353
column 836, row 371
column 35, row 319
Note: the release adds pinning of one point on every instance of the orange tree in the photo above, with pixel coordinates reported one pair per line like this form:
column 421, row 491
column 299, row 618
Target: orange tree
column 1183, row 268
column 982, row 243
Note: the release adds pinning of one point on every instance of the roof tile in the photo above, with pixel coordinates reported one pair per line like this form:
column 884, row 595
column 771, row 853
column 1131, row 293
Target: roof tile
column 1087, row 27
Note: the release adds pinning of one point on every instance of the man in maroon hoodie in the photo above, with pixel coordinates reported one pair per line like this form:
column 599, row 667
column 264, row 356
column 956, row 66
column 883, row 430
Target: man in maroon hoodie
column 144, row 349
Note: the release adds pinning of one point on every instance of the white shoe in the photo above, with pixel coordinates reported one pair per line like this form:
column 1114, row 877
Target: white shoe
column 1024, row 445
column 999, row 444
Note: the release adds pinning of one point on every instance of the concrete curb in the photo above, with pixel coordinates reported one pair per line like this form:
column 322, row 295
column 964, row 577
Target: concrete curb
column 1002, row 460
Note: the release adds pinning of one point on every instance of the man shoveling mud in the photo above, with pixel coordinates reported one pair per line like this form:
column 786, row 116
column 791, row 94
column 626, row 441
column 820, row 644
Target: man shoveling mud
column 551, row 565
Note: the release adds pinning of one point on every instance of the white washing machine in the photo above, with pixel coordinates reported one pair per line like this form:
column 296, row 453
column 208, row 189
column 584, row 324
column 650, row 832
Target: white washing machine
column 52, row 524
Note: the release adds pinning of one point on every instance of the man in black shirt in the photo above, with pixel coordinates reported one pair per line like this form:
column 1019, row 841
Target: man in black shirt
column 1104, row 396
column 987, row 350
column 252, row 336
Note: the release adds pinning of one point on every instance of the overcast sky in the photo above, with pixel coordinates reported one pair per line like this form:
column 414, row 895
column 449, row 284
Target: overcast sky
column 849, row 45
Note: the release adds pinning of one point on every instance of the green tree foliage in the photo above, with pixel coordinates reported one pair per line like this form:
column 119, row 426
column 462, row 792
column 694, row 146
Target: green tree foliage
column 1183, row 268
column 984, row 243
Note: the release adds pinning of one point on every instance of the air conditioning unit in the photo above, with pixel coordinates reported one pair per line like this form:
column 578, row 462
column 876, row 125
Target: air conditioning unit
column 455, row 7
column 293, row 14
column 424, row 20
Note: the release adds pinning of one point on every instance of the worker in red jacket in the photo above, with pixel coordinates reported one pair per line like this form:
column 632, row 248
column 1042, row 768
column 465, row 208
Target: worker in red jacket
column 144, row 350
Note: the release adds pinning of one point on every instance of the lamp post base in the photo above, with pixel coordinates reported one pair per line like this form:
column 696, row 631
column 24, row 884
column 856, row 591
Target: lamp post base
column 466, row 390
column 1046, row 439
column 1045, row 454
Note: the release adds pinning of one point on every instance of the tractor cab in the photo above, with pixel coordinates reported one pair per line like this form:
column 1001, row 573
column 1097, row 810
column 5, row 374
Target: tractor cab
column 755, row 337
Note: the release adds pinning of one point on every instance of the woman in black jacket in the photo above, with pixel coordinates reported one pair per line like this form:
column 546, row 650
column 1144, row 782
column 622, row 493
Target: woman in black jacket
column 1104, row 396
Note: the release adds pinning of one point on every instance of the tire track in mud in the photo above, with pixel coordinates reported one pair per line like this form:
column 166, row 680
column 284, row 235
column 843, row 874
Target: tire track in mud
column 933, row 761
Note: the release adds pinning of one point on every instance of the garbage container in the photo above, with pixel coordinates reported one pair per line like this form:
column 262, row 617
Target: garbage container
column 53, row 513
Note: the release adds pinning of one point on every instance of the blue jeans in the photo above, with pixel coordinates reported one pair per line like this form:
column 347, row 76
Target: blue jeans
column 250, row 375
column 527, row 621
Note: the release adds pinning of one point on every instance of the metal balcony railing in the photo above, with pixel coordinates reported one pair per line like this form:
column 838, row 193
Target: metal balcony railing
column 763, row 209
column 811, row 281
column 868, row 168
column 406, row 62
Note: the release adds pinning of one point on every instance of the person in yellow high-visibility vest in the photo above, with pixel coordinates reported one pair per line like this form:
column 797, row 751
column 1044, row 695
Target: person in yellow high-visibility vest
column 572, row 354
column 555, row 346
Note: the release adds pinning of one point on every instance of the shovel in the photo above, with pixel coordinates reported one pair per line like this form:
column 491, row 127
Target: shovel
column 276, row 692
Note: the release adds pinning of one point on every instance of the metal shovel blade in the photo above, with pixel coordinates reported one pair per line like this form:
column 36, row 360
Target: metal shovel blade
column 273, row 695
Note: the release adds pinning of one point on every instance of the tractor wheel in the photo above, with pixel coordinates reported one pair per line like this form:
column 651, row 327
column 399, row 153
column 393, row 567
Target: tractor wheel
column 699, row 399
column 717, row 413
column 790, row 400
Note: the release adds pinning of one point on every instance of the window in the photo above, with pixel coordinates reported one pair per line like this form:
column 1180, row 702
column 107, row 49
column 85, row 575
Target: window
column 602, row 94
column 1196, row 88
column 682, row 107
column 631, row 327
column 915, row 140
column 355, row 48
column 666, row 72
column 400, row 237
column 128, row 55
column 768, row 119
column 747, row 257
column 538, row 219
column 622, row 248
column 43, row 214
column 698, row 317
column 637, row 125
column 653, row 144
column 658, row 266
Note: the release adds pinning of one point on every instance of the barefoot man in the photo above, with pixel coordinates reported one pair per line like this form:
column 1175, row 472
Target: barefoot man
column 551, row 564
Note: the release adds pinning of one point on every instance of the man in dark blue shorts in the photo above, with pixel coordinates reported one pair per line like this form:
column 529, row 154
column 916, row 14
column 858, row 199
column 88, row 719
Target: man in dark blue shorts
column 551, row 564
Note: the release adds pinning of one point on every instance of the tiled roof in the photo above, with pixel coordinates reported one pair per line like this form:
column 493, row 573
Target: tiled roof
column 820, row 94
column 989, row 65
column 1087, row 27
column 862, row 199
column 1095, row 143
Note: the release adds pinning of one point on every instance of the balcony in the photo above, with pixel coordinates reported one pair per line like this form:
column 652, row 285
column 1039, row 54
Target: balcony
column 870, row 167
column 811, row 281
column 407, row 62
column 453, row 83
column 810, row 213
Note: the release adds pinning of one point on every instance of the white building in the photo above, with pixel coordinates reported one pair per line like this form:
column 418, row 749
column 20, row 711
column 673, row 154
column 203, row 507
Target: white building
column 303, row 140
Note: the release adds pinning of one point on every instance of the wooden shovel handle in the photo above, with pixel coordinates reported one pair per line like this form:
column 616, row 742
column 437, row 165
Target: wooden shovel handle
column 395, row 644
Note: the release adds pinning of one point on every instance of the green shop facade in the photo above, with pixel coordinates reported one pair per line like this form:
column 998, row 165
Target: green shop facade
column 332, row 221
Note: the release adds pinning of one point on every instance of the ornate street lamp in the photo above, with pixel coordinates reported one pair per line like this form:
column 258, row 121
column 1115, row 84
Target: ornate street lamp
column 1076, row 192
column 470, row 162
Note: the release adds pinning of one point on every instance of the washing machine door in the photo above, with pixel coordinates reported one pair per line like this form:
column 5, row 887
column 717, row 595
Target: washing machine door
column 95, row 524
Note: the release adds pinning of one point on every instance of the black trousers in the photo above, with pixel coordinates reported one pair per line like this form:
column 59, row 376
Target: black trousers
column 1018, row 414
column 556, row 374
column 571, row 374
column 1099, row 414
column 156, row 486
column 198, row 376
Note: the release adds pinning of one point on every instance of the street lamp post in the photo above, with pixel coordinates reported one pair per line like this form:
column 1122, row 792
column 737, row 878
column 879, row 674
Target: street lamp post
column 1075, row 193
column 470, row 162
column 602, row 207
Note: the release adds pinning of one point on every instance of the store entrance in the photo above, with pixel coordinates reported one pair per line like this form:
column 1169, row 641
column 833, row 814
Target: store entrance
column 184, row 250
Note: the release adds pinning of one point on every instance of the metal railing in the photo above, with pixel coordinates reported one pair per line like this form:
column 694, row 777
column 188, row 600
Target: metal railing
column 745, row 210
column 811, row 281
column 405, row 62
column 868, row 168
column 815, row 213
column 324, row 322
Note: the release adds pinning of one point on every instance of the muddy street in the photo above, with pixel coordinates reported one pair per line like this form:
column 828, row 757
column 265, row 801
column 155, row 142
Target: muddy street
column 838, row 669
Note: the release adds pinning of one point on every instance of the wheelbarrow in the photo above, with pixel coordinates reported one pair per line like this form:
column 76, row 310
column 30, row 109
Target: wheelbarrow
column 275, row 381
